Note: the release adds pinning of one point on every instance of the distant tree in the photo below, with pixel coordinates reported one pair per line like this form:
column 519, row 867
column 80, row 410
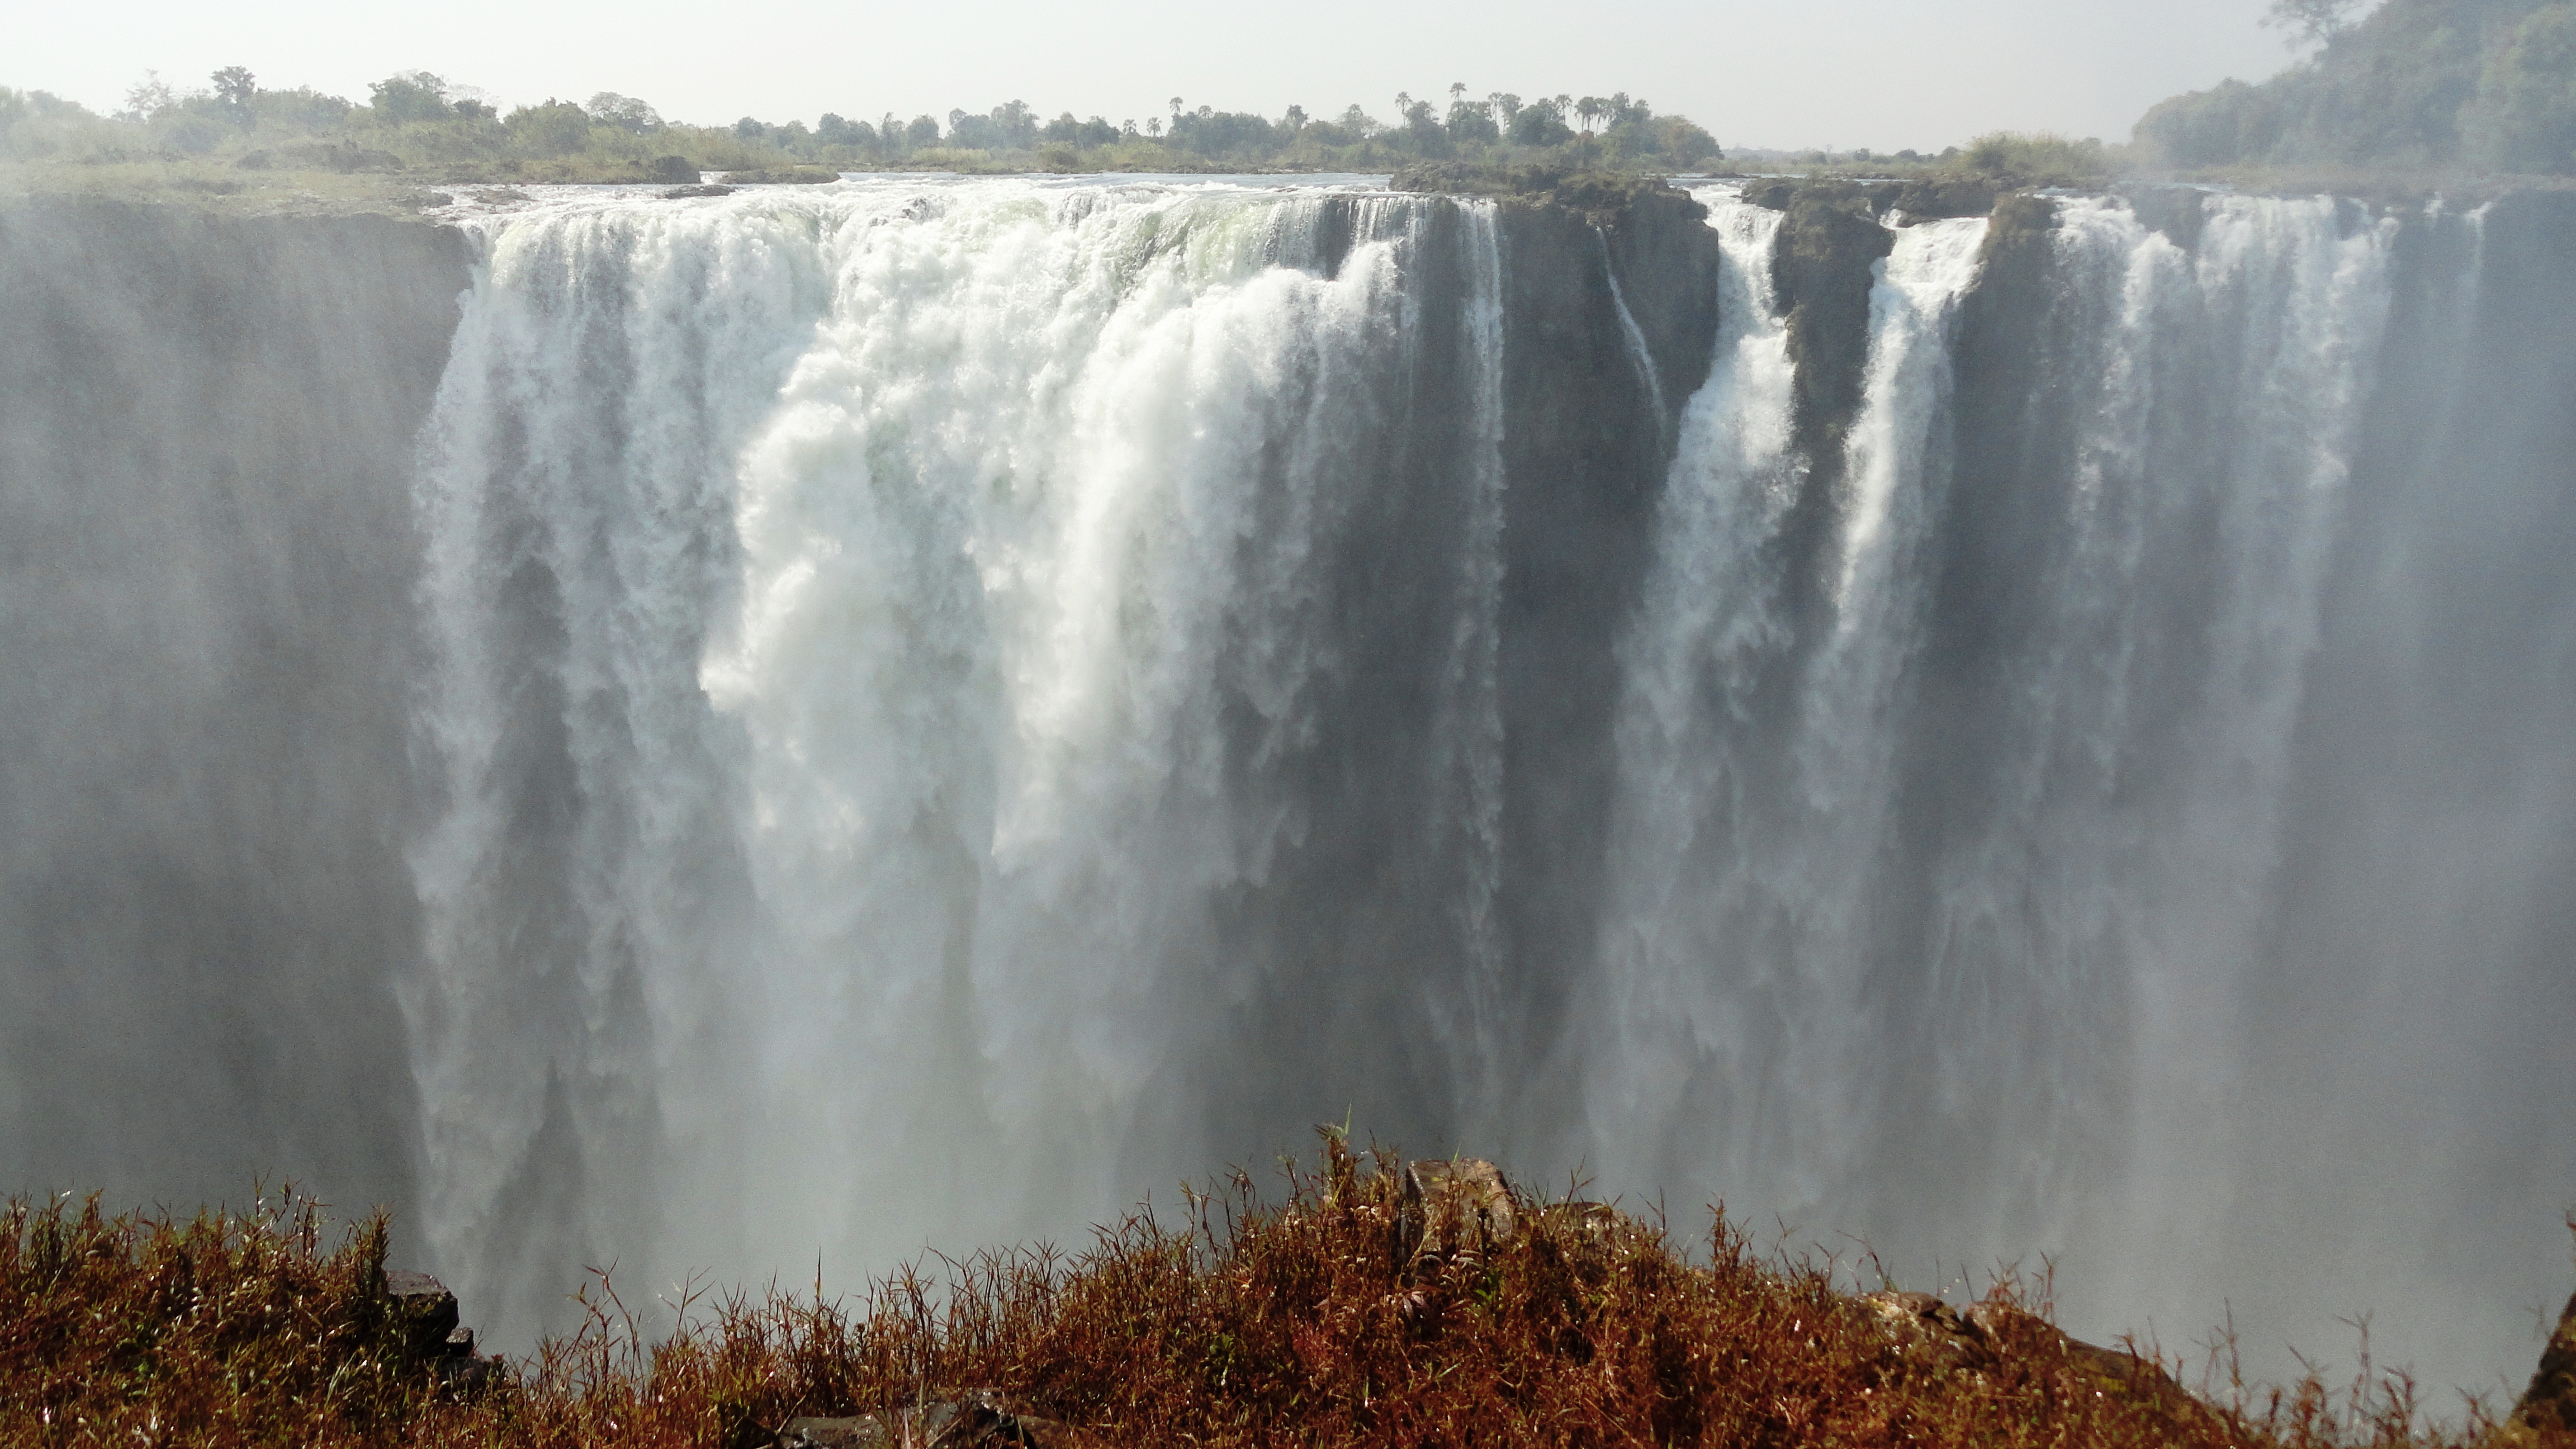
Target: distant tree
column 1015, row 125
column 921, row 131
column 1154, row 126
column 749, row 128
column 1098, row 132
column 414, row 95
column 1471, row 122
column 557, row 128
column 2310, row 21
column 1591, row 110
column 1294, row 121
column 234, row 88
column 1422, row 130
column 2524, row 116
column 1358, row 122
column 1212, row 133
column 626, row 113
column 1541, row 123
column 471, row 110
column 1683, row 144
column 832, row 130
column 306, row 109
column 149, row 97
column 1505, row 106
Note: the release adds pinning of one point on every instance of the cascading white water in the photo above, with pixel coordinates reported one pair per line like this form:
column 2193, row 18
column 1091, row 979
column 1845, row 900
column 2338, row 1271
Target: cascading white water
column 912, row 660
column 1716, row 1080
column 903, row 598
column 2033, row 1049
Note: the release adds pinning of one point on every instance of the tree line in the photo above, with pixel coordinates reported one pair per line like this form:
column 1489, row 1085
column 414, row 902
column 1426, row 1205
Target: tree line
column 419, row 122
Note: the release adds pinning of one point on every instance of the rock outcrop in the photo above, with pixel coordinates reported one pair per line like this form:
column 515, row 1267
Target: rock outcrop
column 1464, row 1204
column 433, row 1332
column 1992, row 1336
column 2550, row 1402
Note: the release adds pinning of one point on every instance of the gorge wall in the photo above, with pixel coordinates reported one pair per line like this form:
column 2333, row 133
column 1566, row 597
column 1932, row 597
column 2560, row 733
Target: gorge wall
column 207, row 551
column 694, row 731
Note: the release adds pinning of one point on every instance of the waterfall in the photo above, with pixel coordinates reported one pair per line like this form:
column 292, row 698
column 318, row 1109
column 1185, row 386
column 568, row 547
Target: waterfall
column 909, row 714
column 879, row 637
column 1937, row 928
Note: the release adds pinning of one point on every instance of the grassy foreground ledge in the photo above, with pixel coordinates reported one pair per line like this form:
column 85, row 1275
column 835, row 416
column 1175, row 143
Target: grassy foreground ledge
column 1373, row 1305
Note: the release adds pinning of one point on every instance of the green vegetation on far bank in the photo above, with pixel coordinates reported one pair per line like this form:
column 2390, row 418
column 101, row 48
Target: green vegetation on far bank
column 2415, row 89
column 418, row 126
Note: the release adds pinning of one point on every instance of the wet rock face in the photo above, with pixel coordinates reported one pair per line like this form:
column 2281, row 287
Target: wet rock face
column 1822, row 267
column 1907, row 201
column 1561, row 228
column 1588, row 436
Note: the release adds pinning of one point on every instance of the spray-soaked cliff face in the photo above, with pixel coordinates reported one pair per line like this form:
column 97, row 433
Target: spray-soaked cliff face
column 206, row 556
column 917, row 713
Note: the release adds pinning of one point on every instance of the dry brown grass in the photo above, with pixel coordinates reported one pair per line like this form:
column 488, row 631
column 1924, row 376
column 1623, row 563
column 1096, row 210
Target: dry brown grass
column 1311, row 1319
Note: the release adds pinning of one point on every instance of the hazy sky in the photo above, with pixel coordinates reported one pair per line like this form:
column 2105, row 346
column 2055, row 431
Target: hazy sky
column 1879, row 73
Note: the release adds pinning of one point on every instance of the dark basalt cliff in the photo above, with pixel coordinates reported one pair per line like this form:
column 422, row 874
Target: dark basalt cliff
column 1588, row 437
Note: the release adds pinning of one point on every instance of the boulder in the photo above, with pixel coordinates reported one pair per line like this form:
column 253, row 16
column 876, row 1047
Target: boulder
column 1924, row 1328
column 426, row 1311
column 1464, row 1204
column 1987, row 1335
column 426, row 1314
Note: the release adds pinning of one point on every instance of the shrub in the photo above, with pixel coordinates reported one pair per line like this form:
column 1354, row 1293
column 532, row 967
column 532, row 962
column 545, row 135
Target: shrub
column 1351, row 1311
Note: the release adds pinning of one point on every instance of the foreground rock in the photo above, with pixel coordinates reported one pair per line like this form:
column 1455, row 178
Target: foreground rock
column 1464, row 1205
column 2550, row 1402
column 1992, row 1336
column 433, row 1333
